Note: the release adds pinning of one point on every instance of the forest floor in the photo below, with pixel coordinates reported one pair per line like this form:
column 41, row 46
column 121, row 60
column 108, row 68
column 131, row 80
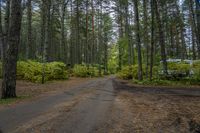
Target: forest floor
column 102, row 105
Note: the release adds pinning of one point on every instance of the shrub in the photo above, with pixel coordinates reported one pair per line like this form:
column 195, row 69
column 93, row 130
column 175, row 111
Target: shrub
column 176, row 71
column 33, row 71
column 57, row 71
column 80, row 71
column 85, row 71
column 196, row 71
column 179, row 67
column 129, row 72
column 126, row 73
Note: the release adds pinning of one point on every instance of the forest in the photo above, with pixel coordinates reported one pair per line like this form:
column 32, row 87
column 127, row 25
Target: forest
column 129, row 50
column 135, row 39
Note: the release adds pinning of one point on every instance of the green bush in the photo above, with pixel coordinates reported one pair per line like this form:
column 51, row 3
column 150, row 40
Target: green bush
column 80, row 71
column 57, row 71
column 179, row 67
column 129, row 72
column 33, row 71
column 196, row 70
column 126, row 73
column 85, row 71
column 176, row 71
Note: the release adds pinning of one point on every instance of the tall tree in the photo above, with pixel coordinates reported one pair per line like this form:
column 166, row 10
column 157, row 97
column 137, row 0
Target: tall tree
column 9, row 71
column 1, row 32
column 146, row 36
column 198, row 17
column 194, row 26
column 30, row 51
column 161, row 37
column 152, row 39
column 138, row 41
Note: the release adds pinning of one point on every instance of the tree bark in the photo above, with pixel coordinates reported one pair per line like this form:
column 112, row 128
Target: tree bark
column 9, row 72
column 152, row 39
column 161, row 38
column 30, row 52
column 1, row 33
column 138, row 41
column 146, row 36
column 195, row 28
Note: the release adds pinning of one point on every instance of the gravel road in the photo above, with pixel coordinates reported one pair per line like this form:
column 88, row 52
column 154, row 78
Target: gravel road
column 106, row 105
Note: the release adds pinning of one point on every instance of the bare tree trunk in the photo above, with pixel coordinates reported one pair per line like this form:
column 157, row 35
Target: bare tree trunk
column 138, row 41
column 127, row 31
column 87, row 46
column 29, row 29
column 9, row 72
column 161, row 38
column 152, row 39
column 120, row 34
column 1, row 33
column 198, row 18
column 146, row 36
column 78, row 54
column 43, row 23
column 195, row 28
column 63, row 44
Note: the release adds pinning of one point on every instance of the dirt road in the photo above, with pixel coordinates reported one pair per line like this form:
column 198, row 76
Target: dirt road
column 107, row 105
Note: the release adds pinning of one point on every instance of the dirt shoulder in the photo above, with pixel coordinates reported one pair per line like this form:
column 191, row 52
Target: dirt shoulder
column 27, row 91
column 155, row 109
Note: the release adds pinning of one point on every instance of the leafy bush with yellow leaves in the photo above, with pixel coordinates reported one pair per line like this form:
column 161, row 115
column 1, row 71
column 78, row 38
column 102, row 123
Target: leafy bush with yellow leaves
column 196, row 70
column 85, row 71
column 179, row 67
column 33, row 71
column 126, row 73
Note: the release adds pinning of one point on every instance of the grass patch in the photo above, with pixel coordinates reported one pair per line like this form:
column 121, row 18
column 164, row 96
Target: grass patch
column 157, row 82
column 12, row 100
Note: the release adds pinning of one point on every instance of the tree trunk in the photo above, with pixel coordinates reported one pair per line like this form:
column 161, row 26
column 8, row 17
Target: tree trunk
column 9, row 72
column 152, row 39
column 161, row 38
column 63, row 45
column 195, row 28
column 146, row 36
column 198, row 21
column 30, row 52
column 1, row 33
column 138, row 41
column 120, row 34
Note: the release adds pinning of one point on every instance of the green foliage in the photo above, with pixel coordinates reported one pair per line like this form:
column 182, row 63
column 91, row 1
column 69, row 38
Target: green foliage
column 129, row 72
column 123, row 44
column 153, row 82
column 113, row 60
column 160, row 82
column 176, row 71
column 126, row 73
column 57, row 71
column 85, row 71
column 33, row 71
column 179, row 67
column 12, row 100
column 196, row 70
